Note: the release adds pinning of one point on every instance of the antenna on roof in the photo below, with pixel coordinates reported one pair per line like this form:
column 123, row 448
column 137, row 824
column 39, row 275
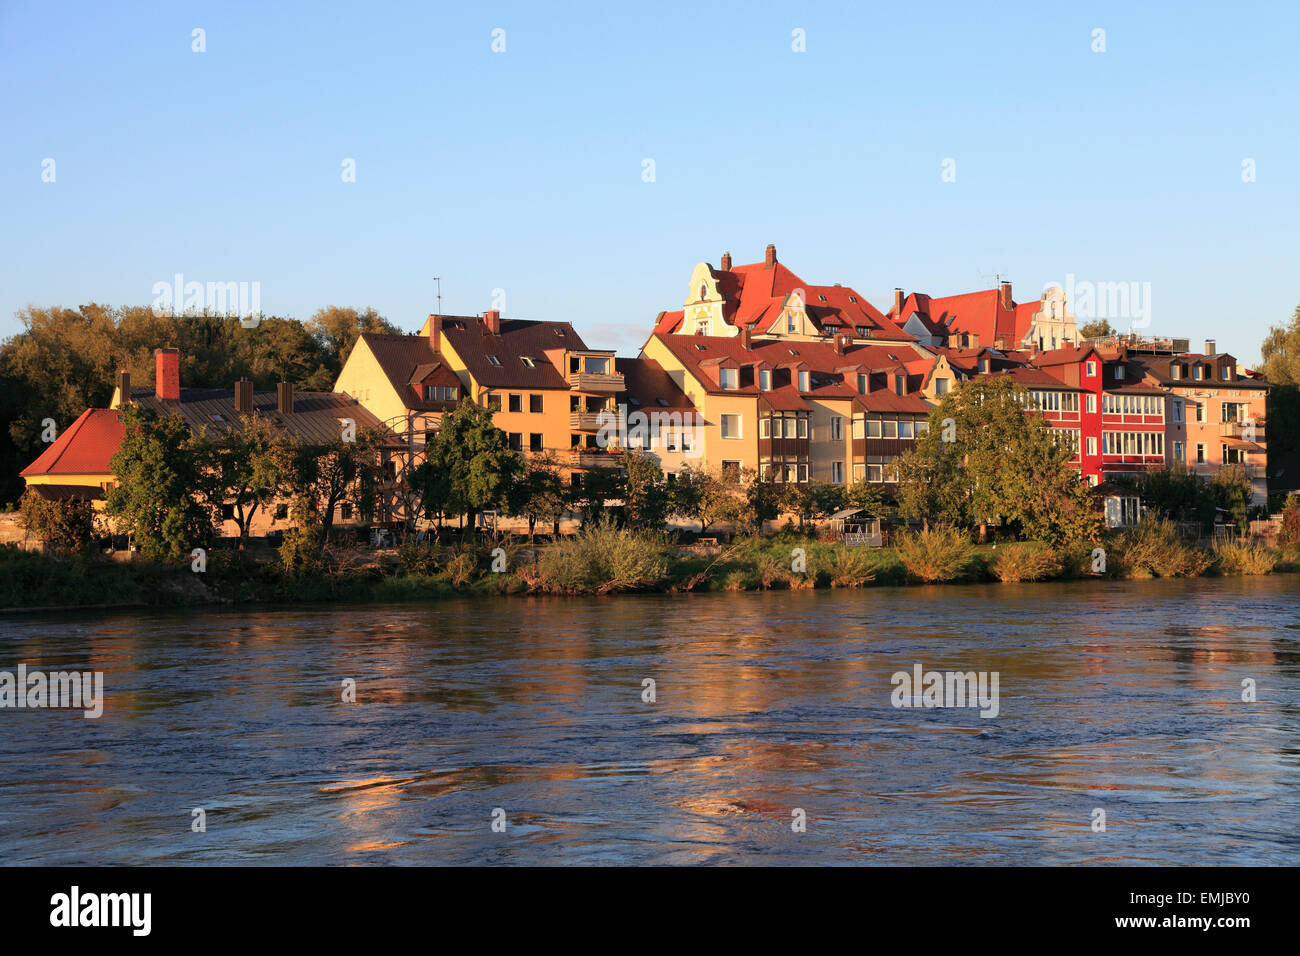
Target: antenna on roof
column 438, row 280
column 995, row 276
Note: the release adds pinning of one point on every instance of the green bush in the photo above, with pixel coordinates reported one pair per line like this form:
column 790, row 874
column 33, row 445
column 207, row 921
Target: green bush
column 937, row 554
column 601, row 559
column 1027, row 561
column 418, row 558
column 845, row 567
column 1155, row 549
column 1232, row 557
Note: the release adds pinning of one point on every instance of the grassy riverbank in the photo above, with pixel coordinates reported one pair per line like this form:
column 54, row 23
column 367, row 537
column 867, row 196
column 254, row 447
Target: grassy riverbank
column 606, row 560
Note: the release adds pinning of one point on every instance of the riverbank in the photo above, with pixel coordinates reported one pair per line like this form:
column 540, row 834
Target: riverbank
column 605, row 561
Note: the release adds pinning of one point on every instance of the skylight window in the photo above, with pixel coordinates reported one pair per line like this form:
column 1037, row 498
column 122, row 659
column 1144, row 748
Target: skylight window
column 794, row 351
column 494, row 360
column 527, row 361
column 662, row 401
column 853, row 298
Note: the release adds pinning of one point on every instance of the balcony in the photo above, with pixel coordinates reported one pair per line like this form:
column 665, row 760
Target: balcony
column 597, row 382
column 594, row 458
column 1238, row 430
column 589, row 421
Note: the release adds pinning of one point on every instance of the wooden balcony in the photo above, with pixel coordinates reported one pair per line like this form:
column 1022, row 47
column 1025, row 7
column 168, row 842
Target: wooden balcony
column 596, row 382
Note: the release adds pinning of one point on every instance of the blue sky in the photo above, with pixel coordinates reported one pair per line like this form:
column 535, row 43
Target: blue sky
column 522, row 170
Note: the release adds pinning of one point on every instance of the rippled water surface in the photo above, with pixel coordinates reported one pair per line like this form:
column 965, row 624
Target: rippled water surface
column 1119, row 696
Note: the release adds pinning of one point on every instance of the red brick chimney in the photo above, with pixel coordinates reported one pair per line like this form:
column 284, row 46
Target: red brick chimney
column 1006, row 296
column 123, row 387
column 492, row 319
column 244, row 397
column 898, row 304
column 284, row 398
column 769, row 258
column 842, row 340
column 726, row 262
column 435, row 332
column 167, row 374
column 746, row 339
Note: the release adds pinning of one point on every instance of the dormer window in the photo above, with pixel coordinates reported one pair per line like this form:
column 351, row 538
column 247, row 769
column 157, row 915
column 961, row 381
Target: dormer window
column 704, row 291
column 765, row 380
column 1226, row 372
column 729, row 378
column 805, row 382
column 1092, row 369
column 900, row 384
column 702, row 327
column 863, row 382
column 984, row 366
column 863, row 331
column 1197, row 372
column 1175, row 372
column 791, row 323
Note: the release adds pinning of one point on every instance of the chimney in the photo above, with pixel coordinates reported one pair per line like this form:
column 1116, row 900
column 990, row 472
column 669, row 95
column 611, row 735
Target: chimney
column 769, row 258
column 492, row 319
column 898, row 304
column 284, row 398
column 435, row 333
column 746, row 340
column 842, row 340
column 167, row 374
column 726, row 262
column 1209, row 346
column 1006, row 296
column 243, row 397
column 123, row 387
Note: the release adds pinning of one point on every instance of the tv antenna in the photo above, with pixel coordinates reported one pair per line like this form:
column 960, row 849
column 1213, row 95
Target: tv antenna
column 438, row 279
column 995, row 276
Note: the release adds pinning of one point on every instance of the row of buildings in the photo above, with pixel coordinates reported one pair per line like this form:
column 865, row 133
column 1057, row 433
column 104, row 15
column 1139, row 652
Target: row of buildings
column 758, row 370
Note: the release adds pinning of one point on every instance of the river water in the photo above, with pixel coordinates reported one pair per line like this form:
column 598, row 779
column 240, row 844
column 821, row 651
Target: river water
column 769, row 709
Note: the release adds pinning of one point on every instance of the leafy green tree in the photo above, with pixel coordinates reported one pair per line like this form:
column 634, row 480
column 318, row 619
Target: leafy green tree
column 336, row 473
column 538, row 495
column 593, row 489
column 469, row 466
column 865, row 495
column 697, row 494
column 763, row 498
column 161, row 470
column 989, row 457
column 645, row 496
column 1177, row 493
column 337, row 329
column 1096, row 329
column 1232, row 493
column 245, row 469
column 64, row 525
column 812, row 500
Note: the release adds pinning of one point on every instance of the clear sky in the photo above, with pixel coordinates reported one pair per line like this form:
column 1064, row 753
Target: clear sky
column 523, row 170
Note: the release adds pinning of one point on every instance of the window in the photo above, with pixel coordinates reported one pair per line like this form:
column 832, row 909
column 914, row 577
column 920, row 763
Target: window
column 670, row 441
column 859, row 428
column 1178, row 410
column 1092, row 446
column 528, row 362
column 516, row 403
column 702, row 327
column 837, row 428
column 345, row 511
column 764, row 428
column 803, row 426
column 873, row 427
column 859, row 472
column 805, row 383
column 730, row 426
column 765, row 380
column 1197, row 372
column 1092, row 369
column 1119, row 371
column 494, row 401
column 837, row 472
column 863, row 383
column 516, row 441
column 441, row 393
column 1200, row 453
column 731, row 469
column 900, row 384
column 1200, row 413
column 905, row 428
column 729, row 377
column 803, row 472
column 1178, row 451
column 686, row 441
column 875, row 473
column 890, row 426
column 492, row 359
column 281, row 512
column 535, row 441
column 535, row 404
column 1225, row 373
column 1092, row 404
column 941, row 386
column 791, row 323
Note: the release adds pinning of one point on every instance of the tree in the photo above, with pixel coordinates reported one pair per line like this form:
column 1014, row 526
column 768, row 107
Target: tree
column 160, row 470
column 1097, row 329
column 864, row 495
column 1232, row 493
column 1176, row 493
column 245, row 468
column 645, row 498
column 697, row 494
column 763, row 497
column 338, row 472
column 337, row 329
column 1281, row 366
column 538, row 495
column 65, row 525
column 988, row 457
column 813, row 499
column 469, row 466
column 595, row 487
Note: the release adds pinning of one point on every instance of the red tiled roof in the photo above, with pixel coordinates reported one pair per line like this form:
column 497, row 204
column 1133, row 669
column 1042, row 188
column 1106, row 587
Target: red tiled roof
column 84, row 448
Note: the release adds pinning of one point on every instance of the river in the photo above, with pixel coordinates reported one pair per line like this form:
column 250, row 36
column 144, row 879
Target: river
column 771, row 737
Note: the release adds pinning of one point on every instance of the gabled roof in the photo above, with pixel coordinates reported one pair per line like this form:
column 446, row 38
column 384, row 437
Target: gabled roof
column 407, row 361
column 647, row 386
column 518, row 339
column 84, row 448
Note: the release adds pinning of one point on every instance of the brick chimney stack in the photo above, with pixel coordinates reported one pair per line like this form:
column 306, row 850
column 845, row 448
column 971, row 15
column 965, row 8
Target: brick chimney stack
column 842, row 340
column 492, row 320
column 1209, row 346
column 244, row 397
column 769, row 258
column 435, row 332
column 167, row 374
column 123, row 387
column 746, row 338
column 898, row 303
column 1006, row 296
column 726, row 262
column 284, row 398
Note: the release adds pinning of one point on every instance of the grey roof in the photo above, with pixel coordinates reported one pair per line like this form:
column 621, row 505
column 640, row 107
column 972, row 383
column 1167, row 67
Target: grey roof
column 315, row 418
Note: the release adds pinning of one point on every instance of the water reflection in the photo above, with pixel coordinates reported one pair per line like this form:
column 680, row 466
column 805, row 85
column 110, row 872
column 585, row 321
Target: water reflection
column 1124, row 696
